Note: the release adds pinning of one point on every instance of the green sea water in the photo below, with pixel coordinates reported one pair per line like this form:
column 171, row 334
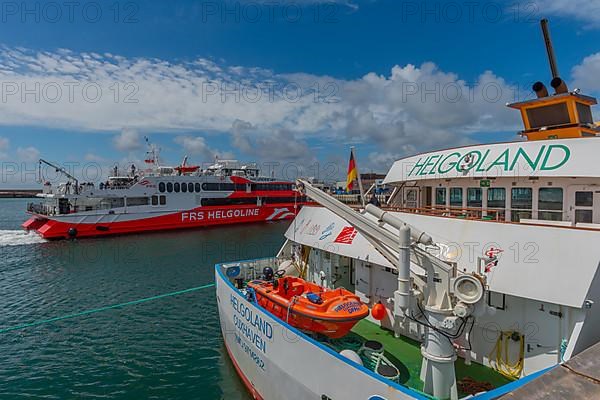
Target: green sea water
column 165, row 349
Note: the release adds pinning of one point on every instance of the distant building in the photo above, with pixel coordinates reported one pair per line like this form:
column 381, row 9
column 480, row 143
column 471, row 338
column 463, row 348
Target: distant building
column 367, row 179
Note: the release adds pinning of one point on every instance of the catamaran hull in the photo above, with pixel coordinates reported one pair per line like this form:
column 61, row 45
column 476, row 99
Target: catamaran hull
column 94, row 225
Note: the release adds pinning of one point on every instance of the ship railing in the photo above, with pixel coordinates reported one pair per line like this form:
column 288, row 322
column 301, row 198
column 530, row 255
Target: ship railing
column 40, row 209
column 354, row 199
column 253, row 268
column 476, row 213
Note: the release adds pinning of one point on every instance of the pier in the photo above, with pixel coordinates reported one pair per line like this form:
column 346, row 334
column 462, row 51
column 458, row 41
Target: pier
column 18, row 193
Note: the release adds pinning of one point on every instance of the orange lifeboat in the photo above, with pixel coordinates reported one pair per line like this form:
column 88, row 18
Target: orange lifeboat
column 310, row 307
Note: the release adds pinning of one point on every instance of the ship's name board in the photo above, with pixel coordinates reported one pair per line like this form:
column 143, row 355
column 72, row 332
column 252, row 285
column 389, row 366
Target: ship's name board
column 192, row 216
column 251, row 325
column 546, row 158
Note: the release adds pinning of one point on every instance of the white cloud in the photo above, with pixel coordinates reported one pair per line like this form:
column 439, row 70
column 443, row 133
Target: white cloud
column 585, row 75
column 390, row 112
column 582, row 10
column 128, row 140
column 91, row 157
column 28, row 154
column 196, row 145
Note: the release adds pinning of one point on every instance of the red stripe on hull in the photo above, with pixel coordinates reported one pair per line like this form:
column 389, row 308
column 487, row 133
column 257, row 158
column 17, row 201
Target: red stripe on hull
column 195, row 218
column 251, row 389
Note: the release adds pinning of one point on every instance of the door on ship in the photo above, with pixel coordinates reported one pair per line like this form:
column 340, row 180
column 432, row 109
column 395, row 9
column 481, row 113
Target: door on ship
column 584, row 204
column 344, row 273
column 411, row 197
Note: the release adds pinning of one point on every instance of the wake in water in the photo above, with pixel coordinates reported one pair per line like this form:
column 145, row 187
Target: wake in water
column 19, row 237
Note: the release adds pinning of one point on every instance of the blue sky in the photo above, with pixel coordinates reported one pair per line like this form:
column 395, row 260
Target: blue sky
column 389, row 77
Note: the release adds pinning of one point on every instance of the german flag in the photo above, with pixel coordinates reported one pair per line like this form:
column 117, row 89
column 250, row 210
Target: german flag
column 352, row 172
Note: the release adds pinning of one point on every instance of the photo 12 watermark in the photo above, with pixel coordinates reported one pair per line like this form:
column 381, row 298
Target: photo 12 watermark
column 67, row 91
column 54, row 12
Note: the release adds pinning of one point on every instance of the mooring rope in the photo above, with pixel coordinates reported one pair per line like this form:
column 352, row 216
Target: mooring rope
column 105, row 308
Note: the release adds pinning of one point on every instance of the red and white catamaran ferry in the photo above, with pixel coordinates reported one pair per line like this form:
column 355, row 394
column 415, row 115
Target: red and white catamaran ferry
column 161, row 198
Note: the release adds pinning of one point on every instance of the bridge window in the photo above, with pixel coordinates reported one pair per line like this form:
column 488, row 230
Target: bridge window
column 474, row 197
column 521, row 203
column 161, row 187
column 169, row 187
column 197, row 188
column 177, row 187
column 191, row 187
column 456, row 197
column 163, row 200
column 440, row 196
column 550, row 204
column 585, row 113
column 552, row 115
column 184, row 187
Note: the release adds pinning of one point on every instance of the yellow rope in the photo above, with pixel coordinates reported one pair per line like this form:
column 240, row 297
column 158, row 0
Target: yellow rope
column 502, row 358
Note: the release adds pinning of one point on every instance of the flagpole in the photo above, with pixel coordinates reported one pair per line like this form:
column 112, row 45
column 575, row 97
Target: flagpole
column 360, row 186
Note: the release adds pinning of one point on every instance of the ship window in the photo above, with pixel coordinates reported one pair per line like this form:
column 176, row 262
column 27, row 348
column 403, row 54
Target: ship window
column 474, row 197
column 584, row 216
column 496, row 198
column 584, row 199
column 440, row 196
column 218, row 186
column 552, row 115
column 112, row 202
column 456, row 195
column 161, row 187
column 177, row 187
column 250, row 200
column 137, row 201
column 169, row 187
column 191, row 187
column 184, row 187
column 197, row 187
column 154, row 200
column 550, row 204
column 163, row 200
column 521, row 203
column 585, row 114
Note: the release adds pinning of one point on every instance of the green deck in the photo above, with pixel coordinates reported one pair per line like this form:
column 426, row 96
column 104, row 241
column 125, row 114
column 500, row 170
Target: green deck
column 405, row 353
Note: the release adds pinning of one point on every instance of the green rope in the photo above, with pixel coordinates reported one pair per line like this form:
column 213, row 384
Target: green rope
column 96, row 310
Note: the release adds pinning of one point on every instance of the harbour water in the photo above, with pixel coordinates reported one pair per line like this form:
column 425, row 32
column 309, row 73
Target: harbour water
column 169, row 348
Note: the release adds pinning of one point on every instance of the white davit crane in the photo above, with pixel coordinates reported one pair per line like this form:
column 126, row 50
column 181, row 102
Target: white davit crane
column 449, row 297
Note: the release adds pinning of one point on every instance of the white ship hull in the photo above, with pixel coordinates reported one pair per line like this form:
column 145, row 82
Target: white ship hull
column 276, row 361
